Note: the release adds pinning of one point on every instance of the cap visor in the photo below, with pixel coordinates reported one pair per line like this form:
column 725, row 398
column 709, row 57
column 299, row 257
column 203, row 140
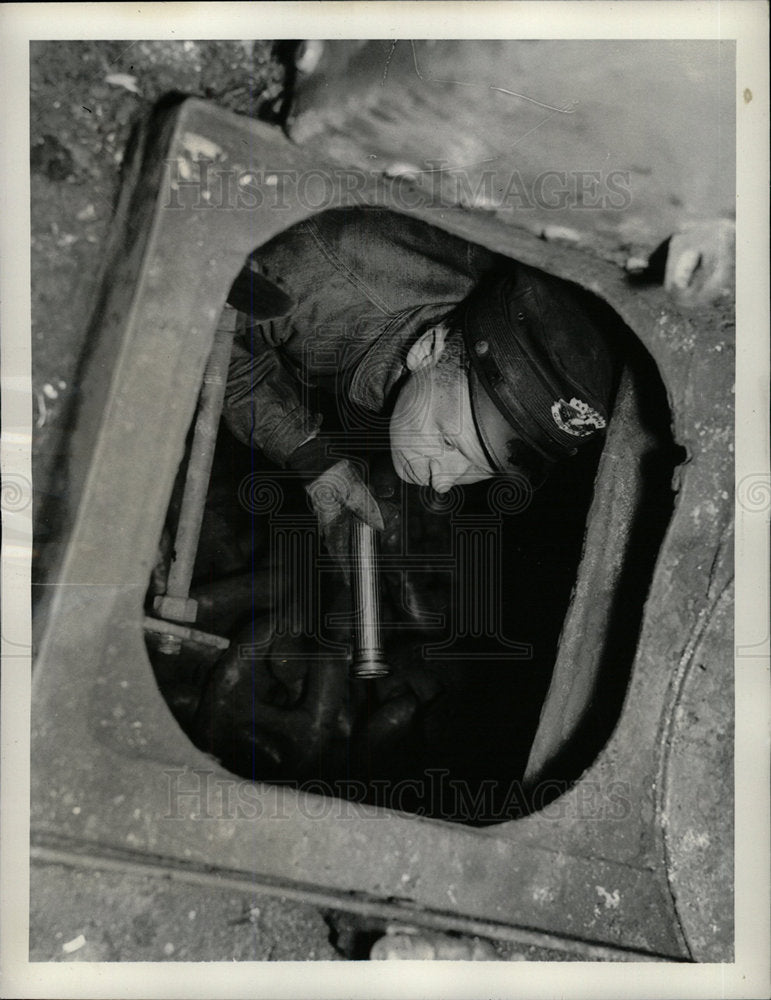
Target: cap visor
column 493, row 430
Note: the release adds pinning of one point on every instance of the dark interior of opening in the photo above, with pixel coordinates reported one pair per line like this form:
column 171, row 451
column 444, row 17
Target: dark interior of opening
column 447, row 735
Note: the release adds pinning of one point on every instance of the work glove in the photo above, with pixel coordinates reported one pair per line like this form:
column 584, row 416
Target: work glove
column 338, row 493
column 337, row 496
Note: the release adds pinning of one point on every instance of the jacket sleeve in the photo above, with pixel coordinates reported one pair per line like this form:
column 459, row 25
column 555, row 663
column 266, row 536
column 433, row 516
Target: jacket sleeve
column 262, row 407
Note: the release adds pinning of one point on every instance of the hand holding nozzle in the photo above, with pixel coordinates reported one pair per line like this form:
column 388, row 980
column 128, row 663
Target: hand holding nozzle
column 340, row 498
column 349, row 518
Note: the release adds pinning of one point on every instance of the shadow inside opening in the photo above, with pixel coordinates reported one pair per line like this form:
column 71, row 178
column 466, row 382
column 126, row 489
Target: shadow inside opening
column 472, row 623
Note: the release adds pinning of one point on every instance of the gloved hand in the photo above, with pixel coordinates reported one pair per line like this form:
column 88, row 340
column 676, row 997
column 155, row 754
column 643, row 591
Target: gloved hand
column 338, row 492
column 338, row 495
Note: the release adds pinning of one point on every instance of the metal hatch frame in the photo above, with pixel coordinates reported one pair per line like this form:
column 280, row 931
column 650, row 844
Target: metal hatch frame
column 104, row 744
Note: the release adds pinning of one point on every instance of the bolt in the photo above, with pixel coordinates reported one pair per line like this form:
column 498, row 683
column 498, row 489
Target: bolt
column 171, row 645
column 481, row 347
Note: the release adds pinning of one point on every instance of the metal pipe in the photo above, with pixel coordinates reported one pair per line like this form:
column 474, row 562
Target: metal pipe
column 201, row 458
column 176, row 604
column 368, row 659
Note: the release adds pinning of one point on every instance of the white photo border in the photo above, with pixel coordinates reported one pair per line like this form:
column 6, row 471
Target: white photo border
column 746, row 21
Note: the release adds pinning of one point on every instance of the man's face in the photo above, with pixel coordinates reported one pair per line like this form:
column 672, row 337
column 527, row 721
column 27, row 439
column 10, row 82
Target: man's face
column 433, row 438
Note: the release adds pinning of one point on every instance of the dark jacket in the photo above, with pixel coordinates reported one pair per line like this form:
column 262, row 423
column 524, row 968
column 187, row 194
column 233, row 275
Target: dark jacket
column 366, row 282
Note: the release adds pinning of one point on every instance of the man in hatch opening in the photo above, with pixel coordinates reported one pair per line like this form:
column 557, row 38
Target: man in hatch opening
column 482, row 366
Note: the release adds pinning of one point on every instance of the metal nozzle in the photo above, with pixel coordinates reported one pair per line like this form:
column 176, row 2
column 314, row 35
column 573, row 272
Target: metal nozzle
column 368, row 659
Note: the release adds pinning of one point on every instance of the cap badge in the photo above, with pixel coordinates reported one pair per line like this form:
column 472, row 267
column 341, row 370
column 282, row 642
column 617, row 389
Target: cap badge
column 576, row 417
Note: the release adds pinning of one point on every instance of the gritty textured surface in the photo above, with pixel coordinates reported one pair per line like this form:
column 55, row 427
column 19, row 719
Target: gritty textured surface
column 699, row 791
column 87, row 915
column 84, row 915
column 84, row 99
column 567, row 139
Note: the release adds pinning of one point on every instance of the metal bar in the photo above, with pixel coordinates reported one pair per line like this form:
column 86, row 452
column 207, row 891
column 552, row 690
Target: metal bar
column 368, row 658
column 200, row 463
column 179, row 632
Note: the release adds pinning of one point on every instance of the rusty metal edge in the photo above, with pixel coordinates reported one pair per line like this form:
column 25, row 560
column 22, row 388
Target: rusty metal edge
column 63, row 852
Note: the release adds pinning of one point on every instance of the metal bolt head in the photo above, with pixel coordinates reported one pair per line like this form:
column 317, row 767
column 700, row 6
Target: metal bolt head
column 481, row 347
column 170, row 645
